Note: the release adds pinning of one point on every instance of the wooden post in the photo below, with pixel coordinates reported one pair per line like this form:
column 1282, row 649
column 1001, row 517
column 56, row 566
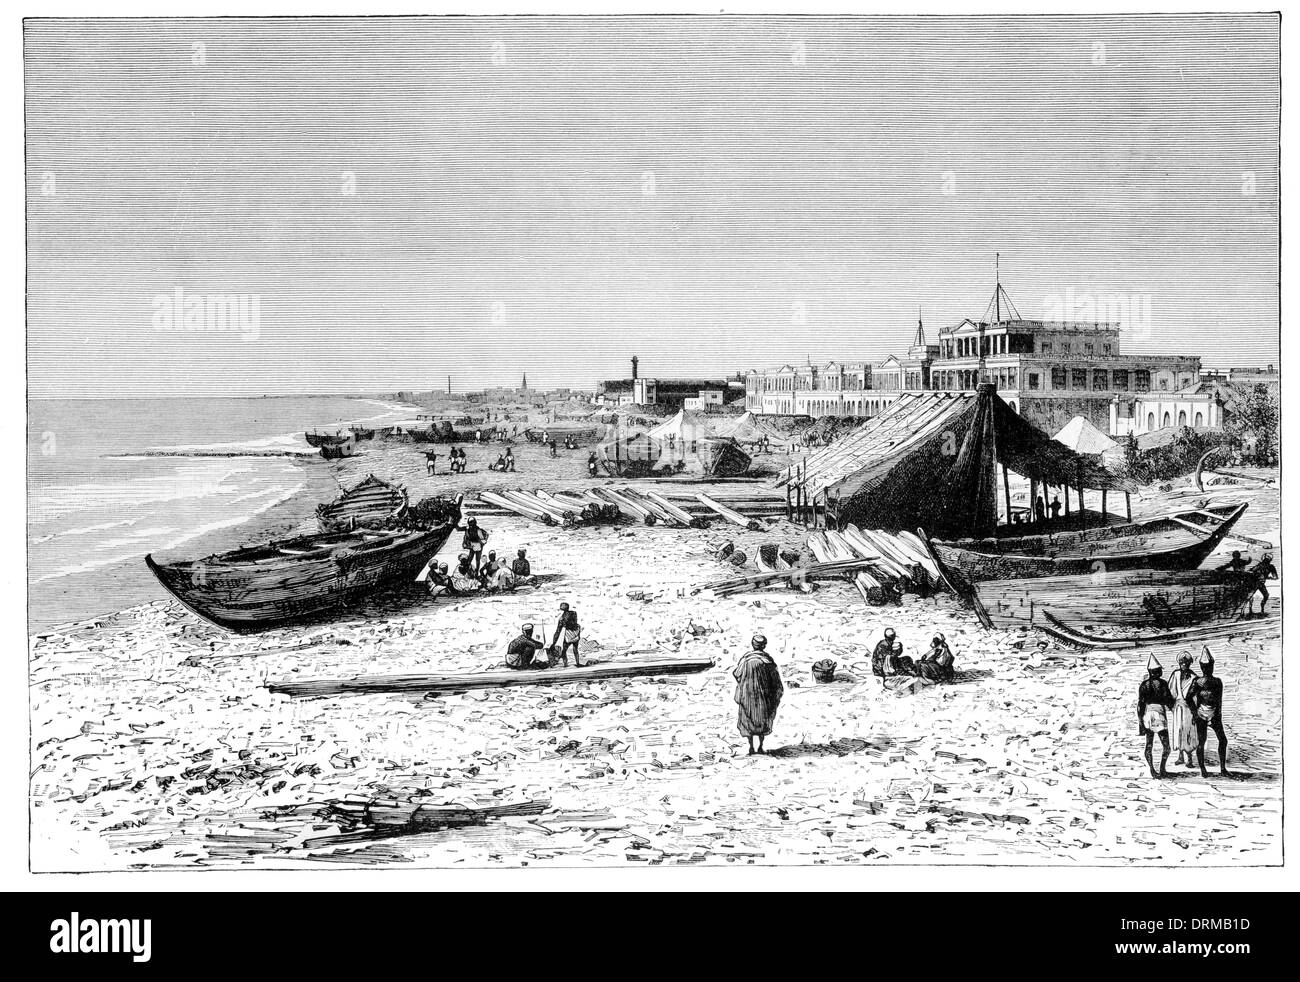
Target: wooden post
column 1065, row 490
column 1128, row 507
column 1006, row 490
column 1104, row 520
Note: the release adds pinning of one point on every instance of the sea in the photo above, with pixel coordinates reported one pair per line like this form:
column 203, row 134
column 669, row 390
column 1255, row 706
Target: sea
column 109, row 481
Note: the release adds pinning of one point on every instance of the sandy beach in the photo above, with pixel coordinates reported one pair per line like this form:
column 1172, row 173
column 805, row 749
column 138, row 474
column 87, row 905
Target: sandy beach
column 156, row 744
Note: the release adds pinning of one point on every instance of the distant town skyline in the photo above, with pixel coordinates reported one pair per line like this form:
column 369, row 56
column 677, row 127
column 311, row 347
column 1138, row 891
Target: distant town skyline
column 392, row 200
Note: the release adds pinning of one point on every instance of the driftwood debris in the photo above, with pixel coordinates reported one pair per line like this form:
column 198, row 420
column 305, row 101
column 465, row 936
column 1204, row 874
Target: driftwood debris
column 490, row 680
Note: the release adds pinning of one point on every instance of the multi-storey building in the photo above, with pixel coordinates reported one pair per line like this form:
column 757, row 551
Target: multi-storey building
column 833, row 389
column 1049, row 371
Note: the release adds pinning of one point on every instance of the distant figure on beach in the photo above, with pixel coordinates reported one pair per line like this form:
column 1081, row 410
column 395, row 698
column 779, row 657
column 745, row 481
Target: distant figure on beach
column 1264, row 570
column 500, row 464
column 1040, row 510
column 478, row 436
column 591, row 464
column 920, row 581
column 572, row 635
column 474, row 541
column 510, row 459
column 1205, row 697
column 1056, row 508
column 936, row 664
column 1237, row 563
column 554, row 451
column 522, row 568
column 1154, row 701
column 758, row 693
column 882, row 656
column 559, row 630
column 430, row 462
column 456, row 465
column 520, row 651
column 1183, row 724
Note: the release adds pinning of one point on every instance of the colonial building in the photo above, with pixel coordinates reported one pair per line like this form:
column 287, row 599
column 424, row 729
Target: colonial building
column 833, row 389
column 671, row 392
column 1049, row 371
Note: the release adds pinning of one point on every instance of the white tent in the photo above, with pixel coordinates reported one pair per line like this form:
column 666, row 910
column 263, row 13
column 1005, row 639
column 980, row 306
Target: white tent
column 1082, row 437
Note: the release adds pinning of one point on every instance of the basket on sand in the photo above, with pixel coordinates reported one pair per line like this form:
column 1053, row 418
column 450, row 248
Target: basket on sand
column 824, row 670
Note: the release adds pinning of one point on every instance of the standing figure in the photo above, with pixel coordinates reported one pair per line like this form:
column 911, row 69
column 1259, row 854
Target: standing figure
column 475, row 539
column 559, row 629
column 1264, row 570
column 1237, row 563
column 430, row 462
column 571, row 636
column 758, row 693
column 554, row 451
column 1205, row 697
column 1182, row 723
column 1040, row 510
column 1154, row 699
column 510, row 459
column 591, row 464
column 1055, row 508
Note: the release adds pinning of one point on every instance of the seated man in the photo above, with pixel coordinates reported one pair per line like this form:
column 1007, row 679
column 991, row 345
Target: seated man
column 463, row 577
column 936, row 664
column 522, row 568
column 438, row 580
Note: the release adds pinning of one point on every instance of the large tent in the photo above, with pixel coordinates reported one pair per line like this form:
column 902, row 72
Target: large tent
column 749, row 430
column 1084, row 438
column 931, row 460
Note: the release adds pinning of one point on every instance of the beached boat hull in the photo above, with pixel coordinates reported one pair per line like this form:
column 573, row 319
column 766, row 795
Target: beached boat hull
column 370, row 504
column 1161, row 543
column 297, row 580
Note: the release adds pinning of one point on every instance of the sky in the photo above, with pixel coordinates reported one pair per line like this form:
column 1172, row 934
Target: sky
column 399, row 200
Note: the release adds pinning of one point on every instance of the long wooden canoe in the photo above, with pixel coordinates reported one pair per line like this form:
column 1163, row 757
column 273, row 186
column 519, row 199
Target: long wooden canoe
column 1061, row 631
column 371, row 503
column 491, row 680
column 298, row 579
column 1178, row 541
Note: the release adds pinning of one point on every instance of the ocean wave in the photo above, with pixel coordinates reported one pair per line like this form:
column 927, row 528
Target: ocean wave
column 187, row 480
column 232, row 522
column 87, row 530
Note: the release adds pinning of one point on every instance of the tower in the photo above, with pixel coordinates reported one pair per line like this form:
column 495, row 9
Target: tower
column 634, row 361
column 524, row 384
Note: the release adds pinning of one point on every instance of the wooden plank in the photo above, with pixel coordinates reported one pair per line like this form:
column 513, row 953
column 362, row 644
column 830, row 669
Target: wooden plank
column 732, row 516
column 490, row 680
column 1198, row 529
column 669, row 507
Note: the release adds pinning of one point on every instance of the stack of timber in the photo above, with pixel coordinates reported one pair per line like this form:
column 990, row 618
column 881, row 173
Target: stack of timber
column 1150, row 599
column 891, row 558
column 567, row 510
column 674, row 506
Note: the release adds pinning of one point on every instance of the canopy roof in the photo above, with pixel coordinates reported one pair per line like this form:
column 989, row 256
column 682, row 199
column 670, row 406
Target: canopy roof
column 930, row 460
column 1082, row 437
column 682, row 426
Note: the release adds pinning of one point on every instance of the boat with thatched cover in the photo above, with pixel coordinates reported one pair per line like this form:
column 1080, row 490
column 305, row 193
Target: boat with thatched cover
column 337, row 451
column 299, row 579
column 371, row 503
column 362, row 432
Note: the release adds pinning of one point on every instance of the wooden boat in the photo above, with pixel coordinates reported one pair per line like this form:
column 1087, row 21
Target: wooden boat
column 372, row 503
column 424, row 436
column 494, row 680
column 326, row 439
column 362, row 432
column 299, row 579
column 1056, row 628
column 723, row 457
column 1147, row 598
column 338, row 451
column 1181, row 540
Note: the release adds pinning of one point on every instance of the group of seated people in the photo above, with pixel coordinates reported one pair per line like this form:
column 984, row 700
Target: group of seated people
column 936, row 665
column 494, row 576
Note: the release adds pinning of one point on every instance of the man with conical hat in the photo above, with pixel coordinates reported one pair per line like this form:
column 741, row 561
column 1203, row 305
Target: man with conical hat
column 758, row 693
column 1182, row 723
column 1205, row 697
column 1154, row 700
